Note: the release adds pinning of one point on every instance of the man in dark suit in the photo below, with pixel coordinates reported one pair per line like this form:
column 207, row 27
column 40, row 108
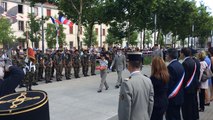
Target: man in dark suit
column 189, row 109
column 9, row 80
column 175, row 88
column 197, row 75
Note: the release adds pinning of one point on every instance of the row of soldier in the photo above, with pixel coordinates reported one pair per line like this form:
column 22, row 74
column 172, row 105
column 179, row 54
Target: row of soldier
column 54, row 61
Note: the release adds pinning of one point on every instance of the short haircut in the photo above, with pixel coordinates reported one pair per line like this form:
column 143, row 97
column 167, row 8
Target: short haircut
column 135, row 64
column 186, row 52
column 172, row 53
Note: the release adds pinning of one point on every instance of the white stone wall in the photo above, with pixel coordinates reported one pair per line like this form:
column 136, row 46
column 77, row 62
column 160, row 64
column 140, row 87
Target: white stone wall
column 54, row 13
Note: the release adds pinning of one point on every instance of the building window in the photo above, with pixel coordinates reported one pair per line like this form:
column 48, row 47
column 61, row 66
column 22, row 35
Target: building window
column 20, row 8
column 71, row 44
column 21, row 25
column 71, row 29
column 81, row 30
column 4, row 5
column 96, row 30
column 36, row 11
column 104, row 32
column 48, row 12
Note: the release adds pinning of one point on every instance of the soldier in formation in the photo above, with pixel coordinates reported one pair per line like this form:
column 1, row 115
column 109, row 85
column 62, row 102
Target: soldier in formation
column 48, row 66
column 58, row 61
column 67, row 64
column 85, row 63
column 76, row 63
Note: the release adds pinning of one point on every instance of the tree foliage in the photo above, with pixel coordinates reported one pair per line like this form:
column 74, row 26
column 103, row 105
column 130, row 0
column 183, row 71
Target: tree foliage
column 6, row 32
column 34, row 29
column 51, row 36
column 90, row 40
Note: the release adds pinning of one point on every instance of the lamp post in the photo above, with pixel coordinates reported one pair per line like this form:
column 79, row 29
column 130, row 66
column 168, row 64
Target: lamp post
column 42, row 27
column 193, row 27
column 101, row 35
column 155, row 21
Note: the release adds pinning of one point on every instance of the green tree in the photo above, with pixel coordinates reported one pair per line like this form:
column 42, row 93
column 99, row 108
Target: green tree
column 6, row 32
column 34, row 31
column 149, row 38
column 90, row 40
column 133, row 39
column 51, row 35
column 203, row 25
column 73, row 9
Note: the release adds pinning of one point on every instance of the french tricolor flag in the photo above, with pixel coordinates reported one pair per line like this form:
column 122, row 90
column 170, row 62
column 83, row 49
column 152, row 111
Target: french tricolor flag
column 65, row 21
column 54, row 20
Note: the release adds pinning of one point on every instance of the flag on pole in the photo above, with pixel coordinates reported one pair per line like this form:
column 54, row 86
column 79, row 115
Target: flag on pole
column 54, row 20
column 65, row 21
column 30, row 52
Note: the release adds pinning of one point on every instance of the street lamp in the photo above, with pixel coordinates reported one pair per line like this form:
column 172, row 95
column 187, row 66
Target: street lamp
column 42, row 27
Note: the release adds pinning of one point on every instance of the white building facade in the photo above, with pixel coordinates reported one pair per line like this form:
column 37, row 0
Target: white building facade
column 18, row 11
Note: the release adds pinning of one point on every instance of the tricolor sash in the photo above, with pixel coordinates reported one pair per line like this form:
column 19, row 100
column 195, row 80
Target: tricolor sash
column 192, row 77
column 177, row 88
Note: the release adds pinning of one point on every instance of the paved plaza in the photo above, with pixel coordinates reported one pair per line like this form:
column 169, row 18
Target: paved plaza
column 77, row 99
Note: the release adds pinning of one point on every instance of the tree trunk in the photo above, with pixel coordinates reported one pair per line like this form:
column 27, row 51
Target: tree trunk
column 79, row 24
column 90, row 34
column 144, row 39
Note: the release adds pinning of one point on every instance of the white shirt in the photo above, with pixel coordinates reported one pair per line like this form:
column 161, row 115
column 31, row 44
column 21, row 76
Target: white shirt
column 203, row 66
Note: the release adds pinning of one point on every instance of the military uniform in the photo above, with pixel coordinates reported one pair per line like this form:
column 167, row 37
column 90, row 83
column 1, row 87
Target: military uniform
column 136, row 99
column 21, row 64
column 93, row 57
column 103, row 74
column 48, row 67
column 67, row 64
column 85, row 63
column 40, row 66
column 120, row 64
column 76, row 64
column 58, row 61
column 29, row 77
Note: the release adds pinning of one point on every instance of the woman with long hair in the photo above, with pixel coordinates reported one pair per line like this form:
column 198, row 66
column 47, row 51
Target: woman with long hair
column 203, row 84
column 159, row 78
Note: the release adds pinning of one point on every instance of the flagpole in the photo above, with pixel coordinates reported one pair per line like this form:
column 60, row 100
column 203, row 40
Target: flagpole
column 57, row 44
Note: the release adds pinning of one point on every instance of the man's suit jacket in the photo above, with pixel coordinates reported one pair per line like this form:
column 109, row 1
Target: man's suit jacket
column 189, row 67
column 119, row 62
column 176, row 72
column 136, row 98
column 11, row 81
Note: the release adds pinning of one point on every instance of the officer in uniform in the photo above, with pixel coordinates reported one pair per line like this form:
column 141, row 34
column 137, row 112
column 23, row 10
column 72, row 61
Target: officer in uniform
column 85, row 63
column 76, row 64
column 58, row 61
column 48, row 66
column 67, row 64
column 10, row 77
column 136, row 99
column 93, row 57
column 120, row 64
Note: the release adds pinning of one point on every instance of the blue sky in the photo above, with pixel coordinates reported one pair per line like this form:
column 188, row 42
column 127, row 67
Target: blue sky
column 208, row 3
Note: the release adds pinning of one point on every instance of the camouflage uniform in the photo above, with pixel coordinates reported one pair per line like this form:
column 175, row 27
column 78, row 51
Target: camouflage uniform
column 21, row 64
column 85, row 63
column 93, row 57
column 67, row 65
column 29, row 77
column 40, row 66
column 76, row 64
column 48, row 67
column 58, row 60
